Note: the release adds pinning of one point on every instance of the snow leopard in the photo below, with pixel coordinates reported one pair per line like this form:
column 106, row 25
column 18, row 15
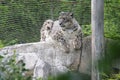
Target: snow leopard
column 71, row 29
column 67, row 31
column 46, row 30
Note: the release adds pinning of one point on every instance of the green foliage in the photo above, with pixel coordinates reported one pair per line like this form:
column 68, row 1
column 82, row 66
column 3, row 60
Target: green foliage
column 86, row 30
column 111, row 77
column 21, row 20
column 111, row 20
column 70, row 76
column 111, row 56
column 10, row 70
column 1, row 44
column 12, row 42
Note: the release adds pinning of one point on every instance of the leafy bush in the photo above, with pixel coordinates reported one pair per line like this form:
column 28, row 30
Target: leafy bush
column 111, row 77
column 12, row 42
column 86, row 30
column 1, row 44
column 112, row 56
column 10, row 70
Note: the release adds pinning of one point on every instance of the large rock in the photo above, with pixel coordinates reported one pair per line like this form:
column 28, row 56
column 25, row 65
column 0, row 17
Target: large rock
column 29, row 59
column 51, row 54
column 85, row 66
column 50, row 59
column 41, row 70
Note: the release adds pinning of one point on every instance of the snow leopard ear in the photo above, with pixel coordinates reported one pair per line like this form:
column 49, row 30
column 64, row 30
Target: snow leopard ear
column 71, row 14
column 61, row 13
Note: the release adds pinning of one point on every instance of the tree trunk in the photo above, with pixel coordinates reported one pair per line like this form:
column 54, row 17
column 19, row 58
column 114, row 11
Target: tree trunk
column 97, row 18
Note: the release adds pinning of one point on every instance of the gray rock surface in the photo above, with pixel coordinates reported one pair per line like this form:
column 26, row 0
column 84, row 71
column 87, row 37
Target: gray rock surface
column 50, row 59
column 41, row 70
column 51, row 54
column 29, row 59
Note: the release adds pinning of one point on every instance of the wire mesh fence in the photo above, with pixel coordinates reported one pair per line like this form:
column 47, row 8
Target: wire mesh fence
column 21, row 20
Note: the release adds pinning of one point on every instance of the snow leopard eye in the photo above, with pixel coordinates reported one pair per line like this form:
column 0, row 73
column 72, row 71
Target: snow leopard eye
column 63, row 18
